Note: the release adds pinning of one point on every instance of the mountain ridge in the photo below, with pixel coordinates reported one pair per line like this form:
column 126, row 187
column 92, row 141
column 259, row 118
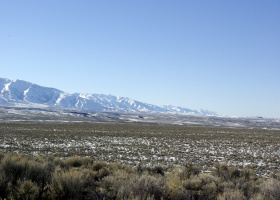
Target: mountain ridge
column 20, row 91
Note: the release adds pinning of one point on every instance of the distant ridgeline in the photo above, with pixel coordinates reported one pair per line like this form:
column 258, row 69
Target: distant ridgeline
column 24, row 92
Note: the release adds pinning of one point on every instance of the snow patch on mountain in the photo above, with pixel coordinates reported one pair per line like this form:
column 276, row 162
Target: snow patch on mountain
column 15, row 90
column 3, row 82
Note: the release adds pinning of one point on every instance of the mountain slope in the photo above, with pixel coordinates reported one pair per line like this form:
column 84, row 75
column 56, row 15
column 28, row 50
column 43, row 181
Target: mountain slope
column 28, row 93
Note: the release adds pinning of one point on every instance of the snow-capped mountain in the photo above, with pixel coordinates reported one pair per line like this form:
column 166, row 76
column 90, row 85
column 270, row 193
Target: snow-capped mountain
column 179, row 109
column 28, row 93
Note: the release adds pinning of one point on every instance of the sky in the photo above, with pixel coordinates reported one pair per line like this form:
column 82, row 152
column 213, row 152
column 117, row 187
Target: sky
column 218, row 55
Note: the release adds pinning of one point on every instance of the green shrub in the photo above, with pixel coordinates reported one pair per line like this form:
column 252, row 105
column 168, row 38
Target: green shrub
column 74, row 161
column 14, row 168
column 1, row 156
column 222, row 171
column 41, row 174
column 145, row 187
column 270, row 189
column 231, row 194
column 60, row 163
column 25, row 189
column 191, row 169
column 66, row 185
column 157, row 170
column 2, row 184
column 97, row 166
column 175, row 184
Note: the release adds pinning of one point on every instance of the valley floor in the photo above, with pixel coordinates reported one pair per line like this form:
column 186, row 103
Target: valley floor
column 147, row 144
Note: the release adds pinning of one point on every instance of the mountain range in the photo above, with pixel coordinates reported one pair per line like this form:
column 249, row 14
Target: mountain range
column 23, row 92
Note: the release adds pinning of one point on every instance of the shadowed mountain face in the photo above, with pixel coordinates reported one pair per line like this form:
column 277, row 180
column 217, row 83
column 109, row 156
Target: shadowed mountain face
column 28, row 93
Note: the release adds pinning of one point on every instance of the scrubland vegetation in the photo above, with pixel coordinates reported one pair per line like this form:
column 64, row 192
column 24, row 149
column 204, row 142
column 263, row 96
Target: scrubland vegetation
column 137, row 161
column 28, row 177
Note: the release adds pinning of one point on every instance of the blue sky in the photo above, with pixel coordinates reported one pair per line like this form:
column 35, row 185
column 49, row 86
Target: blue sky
column 218, row 55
